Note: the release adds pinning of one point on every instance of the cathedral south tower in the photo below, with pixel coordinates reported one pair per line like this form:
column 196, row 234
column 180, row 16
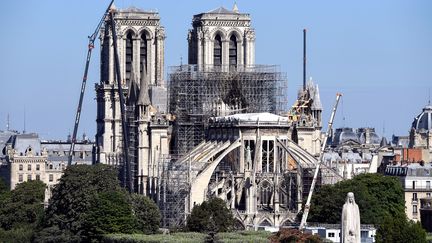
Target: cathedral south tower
column 222, row 38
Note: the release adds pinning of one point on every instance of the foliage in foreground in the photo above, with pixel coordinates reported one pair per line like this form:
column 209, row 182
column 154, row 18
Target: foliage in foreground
column 377, row 196
column 21, row 210
column 147, row 214
column 109, row 212
column 229, row 237
column 210, row 216
column 88, row 203
column 294, row 236
column 381, row 203
column 402, row 231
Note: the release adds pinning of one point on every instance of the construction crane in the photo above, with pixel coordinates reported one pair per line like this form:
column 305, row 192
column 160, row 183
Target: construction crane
column 311, row 190
column 128, row 182
column 92, row 39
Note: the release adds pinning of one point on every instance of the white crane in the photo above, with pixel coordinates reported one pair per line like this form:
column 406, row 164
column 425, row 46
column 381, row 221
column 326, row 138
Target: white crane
column 308, row 201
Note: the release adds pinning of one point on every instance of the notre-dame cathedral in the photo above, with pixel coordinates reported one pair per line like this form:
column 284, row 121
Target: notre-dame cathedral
column 219, row 128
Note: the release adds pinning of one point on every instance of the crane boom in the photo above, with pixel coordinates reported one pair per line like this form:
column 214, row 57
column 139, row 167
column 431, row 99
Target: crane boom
column 308, row 201
column 128, row 182
column 92, row 39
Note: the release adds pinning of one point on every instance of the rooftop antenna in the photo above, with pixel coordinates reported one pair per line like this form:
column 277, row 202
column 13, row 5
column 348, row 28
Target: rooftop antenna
column 24, row 131
column 429, row 97
column 7, row 123
column 304, row 59
column 343, row 115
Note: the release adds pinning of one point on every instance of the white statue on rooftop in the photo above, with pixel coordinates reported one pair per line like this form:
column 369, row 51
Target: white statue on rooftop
column 350, row 223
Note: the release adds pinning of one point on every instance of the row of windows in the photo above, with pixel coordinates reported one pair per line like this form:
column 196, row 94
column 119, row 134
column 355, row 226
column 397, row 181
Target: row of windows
column 414, row 196
column 428, row 185
column 37, row 177
column 29, row 167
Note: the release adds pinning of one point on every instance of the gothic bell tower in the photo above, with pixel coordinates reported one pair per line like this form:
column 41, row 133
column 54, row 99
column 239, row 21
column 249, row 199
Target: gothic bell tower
column 140, row 45
column 222, row 38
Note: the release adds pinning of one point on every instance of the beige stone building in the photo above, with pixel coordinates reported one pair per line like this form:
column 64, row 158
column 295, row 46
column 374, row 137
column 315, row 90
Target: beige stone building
column 416, row 181
column 28, row 158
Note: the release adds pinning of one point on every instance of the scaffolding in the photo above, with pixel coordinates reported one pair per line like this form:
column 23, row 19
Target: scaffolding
column 132, row 123
column 173, row 190
column 197, row 93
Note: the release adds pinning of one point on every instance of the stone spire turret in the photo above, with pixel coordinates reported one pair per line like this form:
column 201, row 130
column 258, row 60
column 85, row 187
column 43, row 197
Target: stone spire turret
column 143, row 98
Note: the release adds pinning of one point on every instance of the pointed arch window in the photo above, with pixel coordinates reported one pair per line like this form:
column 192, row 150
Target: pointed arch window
column 143, row 53
column 233, row 51
column 129, row 57
column 217, row 51
column 267, row 161
column 266, row 192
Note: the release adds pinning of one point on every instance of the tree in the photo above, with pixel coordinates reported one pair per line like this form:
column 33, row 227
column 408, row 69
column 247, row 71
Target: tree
column 72, row 198
column 147, row 214
column 401, row 229
column 3, row 186
column 23, row 206
column 378, row 196
column 211, row 216
column 294, row 236
column 381, row 202
column 109, row 212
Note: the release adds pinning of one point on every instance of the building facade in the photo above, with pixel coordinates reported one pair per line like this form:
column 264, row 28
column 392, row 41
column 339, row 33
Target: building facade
column 28, row 158
column 416, row 181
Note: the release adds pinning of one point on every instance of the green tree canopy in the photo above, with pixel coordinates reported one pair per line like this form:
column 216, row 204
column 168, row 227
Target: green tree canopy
column 380, row 200
column 399, row 229
column 377, row 196
column 211, row 215
column 23, row 206
column 72, row 198
column 109, row 212
column 147, row 214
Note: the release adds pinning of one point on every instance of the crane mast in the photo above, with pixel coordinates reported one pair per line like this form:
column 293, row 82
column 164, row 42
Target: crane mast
column 308, row 201
column 90, row 46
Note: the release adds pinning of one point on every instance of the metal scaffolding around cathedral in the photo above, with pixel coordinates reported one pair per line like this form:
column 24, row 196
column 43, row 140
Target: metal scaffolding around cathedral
column 198, row 93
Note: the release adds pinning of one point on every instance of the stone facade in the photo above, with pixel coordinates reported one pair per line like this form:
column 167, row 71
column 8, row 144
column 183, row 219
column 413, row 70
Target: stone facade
column 140, row 39
column 416, row 181
column 29, row 158
column 245, row 162
column 221, row 38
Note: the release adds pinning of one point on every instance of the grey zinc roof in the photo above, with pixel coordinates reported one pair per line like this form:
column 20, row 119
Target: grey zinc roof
column 424, row 120
column 22, row 142
column 4, row 138
column 221, row 10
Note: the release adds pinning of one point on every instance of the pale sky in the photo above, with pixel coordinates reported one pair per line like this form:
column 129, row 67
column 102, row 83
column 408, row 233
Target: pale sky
column 377, row 53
